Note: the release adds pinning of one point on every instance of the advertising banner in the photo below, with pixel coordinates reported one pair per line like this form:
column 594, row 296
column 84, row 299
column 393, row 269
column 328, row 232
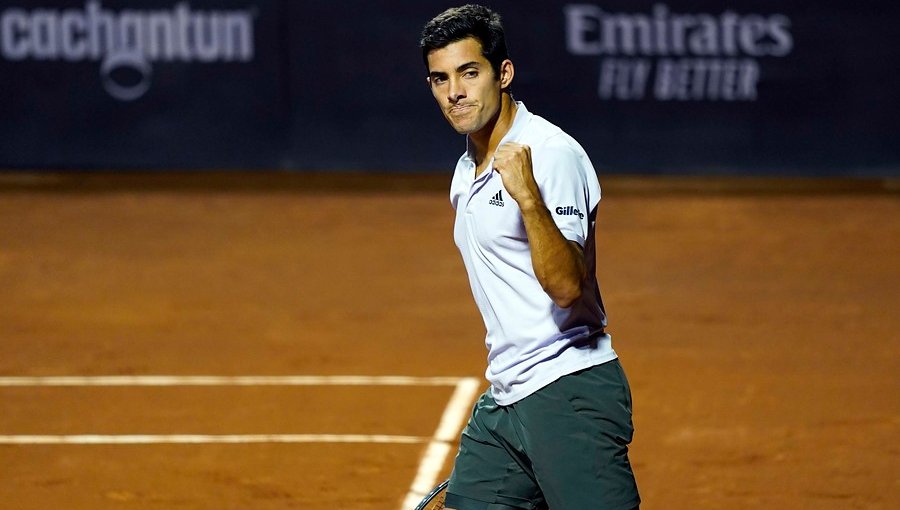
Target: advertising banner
column 653, row 87
column 719, row 87
column 141, row 84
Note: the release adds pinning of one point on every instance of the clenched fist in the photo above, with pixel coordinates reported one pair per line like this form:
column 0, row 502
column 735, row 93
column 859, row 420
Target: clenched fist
column 513, row 162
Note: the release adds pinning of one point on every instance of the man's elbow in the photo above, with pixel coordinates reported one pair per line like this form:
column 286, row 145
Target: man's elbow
column 565, row 298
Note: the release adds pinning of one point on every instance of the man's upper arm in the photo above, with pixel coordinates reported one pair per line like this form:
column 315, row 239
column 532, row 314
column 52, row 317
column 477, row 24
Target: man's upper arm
column 565, row 188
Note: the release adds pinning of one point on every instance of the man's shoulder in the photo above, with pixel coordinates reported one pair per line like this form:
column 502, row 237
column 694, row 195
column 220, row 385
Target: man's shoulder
column 540, row 130
column 549, row 143
column 547, row 135
column 555, row 152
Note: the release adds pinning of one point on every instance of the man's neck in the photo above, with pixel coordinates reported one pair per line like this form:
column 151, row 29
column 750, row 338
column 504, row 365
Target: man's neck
column 487, row 140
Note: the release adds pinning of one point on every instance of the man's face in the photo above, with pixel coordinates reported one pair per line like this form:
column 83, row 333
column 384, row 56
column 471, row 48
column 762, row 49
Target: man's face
column 464, row 85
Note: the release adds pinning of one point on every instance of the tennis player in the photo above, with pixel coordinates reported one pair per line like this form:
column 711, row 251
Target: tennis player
column 554, row 427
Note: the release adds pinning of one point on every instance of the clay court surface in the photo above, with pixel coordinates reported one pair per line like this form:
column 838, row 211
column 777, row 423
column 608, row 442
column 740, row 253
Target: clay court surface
column 757, row 320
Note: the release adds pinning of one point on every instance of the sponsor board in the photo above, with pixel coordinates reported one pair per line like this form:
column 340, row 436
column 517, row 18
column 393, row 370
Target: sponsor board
column 669, row 54
column 126, row 42
column 645, row 86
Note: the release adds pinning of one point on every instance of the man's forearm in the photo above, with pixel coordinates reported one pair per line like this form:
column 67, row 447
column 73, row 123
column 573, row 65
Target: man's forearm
column 558, row 263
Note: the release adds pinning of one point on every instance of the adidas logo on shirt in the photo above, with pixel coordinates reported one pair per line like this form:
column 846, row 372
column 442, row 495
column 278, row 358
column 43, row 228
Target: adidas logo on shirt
column 497, row 199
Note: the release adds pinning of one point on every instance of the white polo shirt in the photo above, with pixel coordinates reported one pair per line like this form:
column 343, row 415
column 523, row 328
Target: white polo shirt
column 531, row 341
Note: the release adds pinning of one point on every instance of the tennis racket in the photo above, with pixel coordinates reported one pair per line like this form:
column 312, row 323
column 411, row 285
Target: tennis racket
column 435, row 499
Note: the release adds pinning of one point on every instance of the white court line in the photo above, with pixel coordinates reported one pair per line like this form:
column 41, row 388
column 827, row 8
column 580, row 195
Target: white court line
column 93, row 439
column 240, row 380
column 439, row 447
column 430, row 466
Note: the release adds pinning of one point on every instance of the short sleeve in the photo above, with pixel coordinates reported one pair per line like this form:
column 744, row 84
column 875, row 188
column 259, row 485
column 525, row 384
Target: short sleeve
column 569, row 187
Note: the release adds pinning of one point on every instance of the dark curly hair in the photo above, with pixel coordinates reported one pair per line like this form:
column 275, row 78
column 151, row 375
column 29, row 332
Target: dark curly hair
column 458, row 23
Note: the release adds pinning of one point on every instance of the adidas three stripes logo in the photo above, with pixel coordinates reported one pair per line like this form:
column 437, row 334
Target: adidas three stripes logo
column 497, row 199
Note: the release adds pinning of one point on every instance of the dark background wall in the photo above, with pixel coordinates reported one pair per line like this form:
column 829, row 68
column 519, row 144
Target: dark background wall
column 667, row 87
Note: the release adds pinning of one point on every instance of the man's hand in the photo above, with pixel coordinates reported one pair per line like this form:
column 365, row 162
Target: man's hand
column 558, row 263
column 513, row 162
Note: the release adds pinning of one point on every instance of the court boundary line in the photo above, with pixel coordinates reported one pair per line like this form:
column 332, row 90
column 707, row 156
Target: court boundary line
column 430, row 465
column 439, row 447
column 147, row 439
column 226, row 380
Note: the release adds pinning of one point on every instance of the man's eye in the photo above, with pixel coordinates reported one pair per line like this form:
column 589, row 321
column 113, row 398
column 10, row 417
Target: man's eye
column 438, row 81
column 471, row 74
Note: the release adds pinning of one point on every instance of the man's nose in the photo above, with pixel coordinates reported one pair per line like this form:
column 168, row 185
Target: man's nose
column 456, row 91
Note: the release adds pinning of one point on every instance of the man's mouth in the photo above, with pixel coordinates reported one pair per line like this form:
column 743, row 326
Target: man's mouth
column 461, row 109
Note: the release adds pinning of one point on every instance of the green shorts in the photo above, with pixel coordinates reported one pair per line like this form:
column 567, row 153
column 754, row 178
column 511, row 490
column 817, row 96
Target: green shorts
column 564, row 446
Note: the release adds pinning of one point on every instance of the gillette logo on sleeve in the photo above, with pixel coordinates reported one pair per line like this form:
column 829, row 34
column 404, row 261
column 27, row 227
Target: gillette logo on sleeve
column 569, row 210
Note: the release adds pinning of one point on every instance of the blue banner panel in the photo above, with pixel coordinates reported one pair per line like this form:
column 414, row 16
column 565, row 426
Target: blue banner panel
column 717, row 87
column 694, row 87
column 142, row 84
column 360, row 96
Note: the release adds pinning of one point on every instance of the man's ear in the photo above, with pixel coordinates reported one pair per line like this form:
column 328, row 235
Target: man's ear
column 507, row 72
